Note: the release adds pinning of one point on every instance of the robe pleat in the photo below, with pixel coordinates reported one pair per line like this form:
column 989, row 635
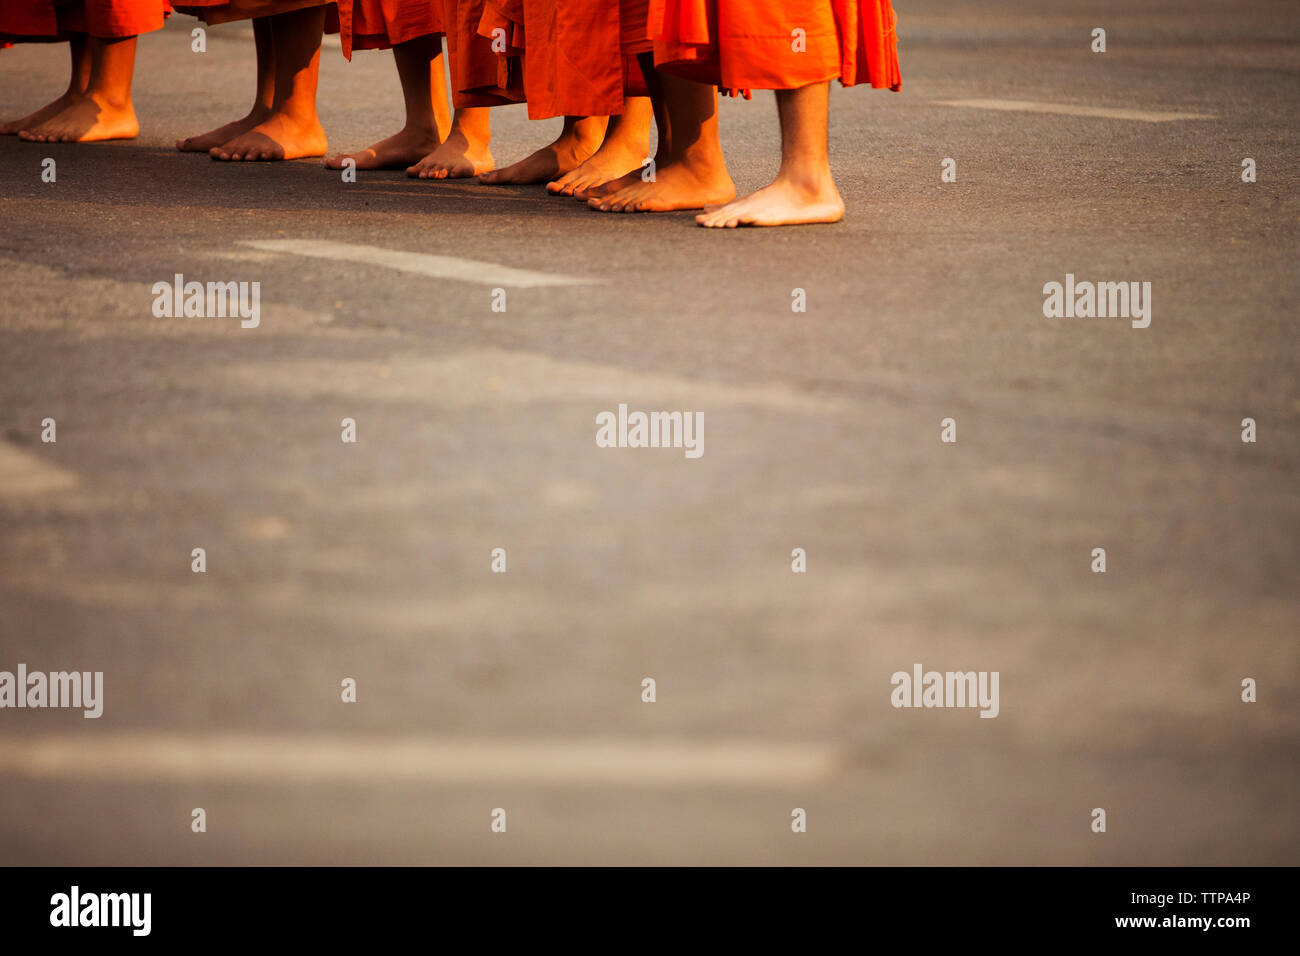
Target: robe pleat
column 381, row 24
column 777, row 44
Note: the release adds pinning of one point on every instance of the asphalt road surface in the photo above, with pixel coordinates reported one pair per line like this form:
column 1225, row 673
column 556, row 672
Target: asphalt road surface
column 522, row 690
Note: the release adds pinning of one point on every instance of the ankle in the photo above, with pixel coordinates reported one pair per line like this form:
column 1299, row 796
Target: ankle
column 704, row 160
column 474, row 129
column 586, row 143
column 117, row 102
column 422, row 132
column 473, row 143
column 809, row 179
column 629, row 143
column 302, row 118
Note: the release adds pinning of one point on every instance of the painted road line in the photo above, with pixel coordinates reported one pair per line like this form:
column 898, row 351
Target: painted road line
column 1067, row 109
column 419, row 263
column 297, row 758
column 22, row 473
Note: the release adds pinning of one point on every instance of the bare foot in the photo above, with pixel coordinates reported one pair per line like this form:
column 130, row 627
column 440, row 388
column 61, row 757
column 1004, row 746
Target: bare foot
column 539, row 167
column 397, row 152
column 455, row 158
column 40, row 116
column 784, row 203
column 579, row 141
column 88, row 118
column 675, row 186
column 623, row 149
column 223, row 134
column 610, row 162
column 278, row 137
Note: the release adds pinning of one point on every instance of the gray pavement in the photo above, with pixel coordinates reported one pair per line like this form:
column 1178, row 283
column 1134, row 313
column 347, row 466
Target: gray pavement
column 476, row 431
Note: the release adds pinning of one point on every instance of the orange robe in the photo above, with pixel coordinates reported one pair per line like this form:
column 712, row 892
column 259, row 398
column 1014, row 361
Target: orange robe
column 634, row 39
column 380, row 24
column 44, row 21
column 227, row 11
column 757, row 44
column 578, row 57
column 479, row 76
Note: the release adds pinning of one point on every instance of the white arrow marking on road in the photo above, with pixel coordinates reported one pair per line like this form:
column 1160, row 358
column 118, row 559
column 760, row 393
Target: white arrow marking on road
column 1066, row 109
column 438, row 267
column 295, row 758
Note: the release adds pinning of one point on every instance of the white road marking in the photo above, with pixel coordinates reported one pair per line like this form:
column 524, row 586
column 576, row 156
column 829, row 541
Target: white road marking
column 438, row 267
column 22, row 473
column 298, row 758
column 1067, row 109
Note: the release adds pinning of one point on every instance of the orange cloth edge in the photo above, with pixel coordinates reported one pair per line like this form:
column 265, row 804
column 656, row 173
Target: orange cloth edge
column 777, row 44
column 47, row 22
column 213, row 12
column 382, row 24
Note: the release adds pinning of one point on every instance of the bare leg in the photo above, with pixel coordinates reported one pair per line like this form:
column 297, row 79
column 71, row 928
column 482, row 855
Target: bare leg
column 79, row 45
column 803, row 191
column 463, row 153
column 624, row 149
column 262, row 101
column 428, row 119
column 689, row 171
column 577, row 141
column 104, row 111
column 293, row 130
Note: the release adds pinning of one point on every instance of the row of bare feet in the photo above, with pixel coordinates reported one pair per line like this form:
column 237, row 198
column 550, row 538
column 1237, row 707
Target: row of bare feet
column 604, row 171
column 608, row 174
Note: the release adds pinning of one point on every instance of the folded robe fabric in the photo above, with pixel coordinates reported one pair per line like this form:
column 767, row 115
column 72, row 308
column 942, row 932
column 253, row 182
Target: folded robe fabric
column 228, row 11
column 380, row 24
column 577, row 57
column 49, row 21
column 480, row 76
column 777, row 44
